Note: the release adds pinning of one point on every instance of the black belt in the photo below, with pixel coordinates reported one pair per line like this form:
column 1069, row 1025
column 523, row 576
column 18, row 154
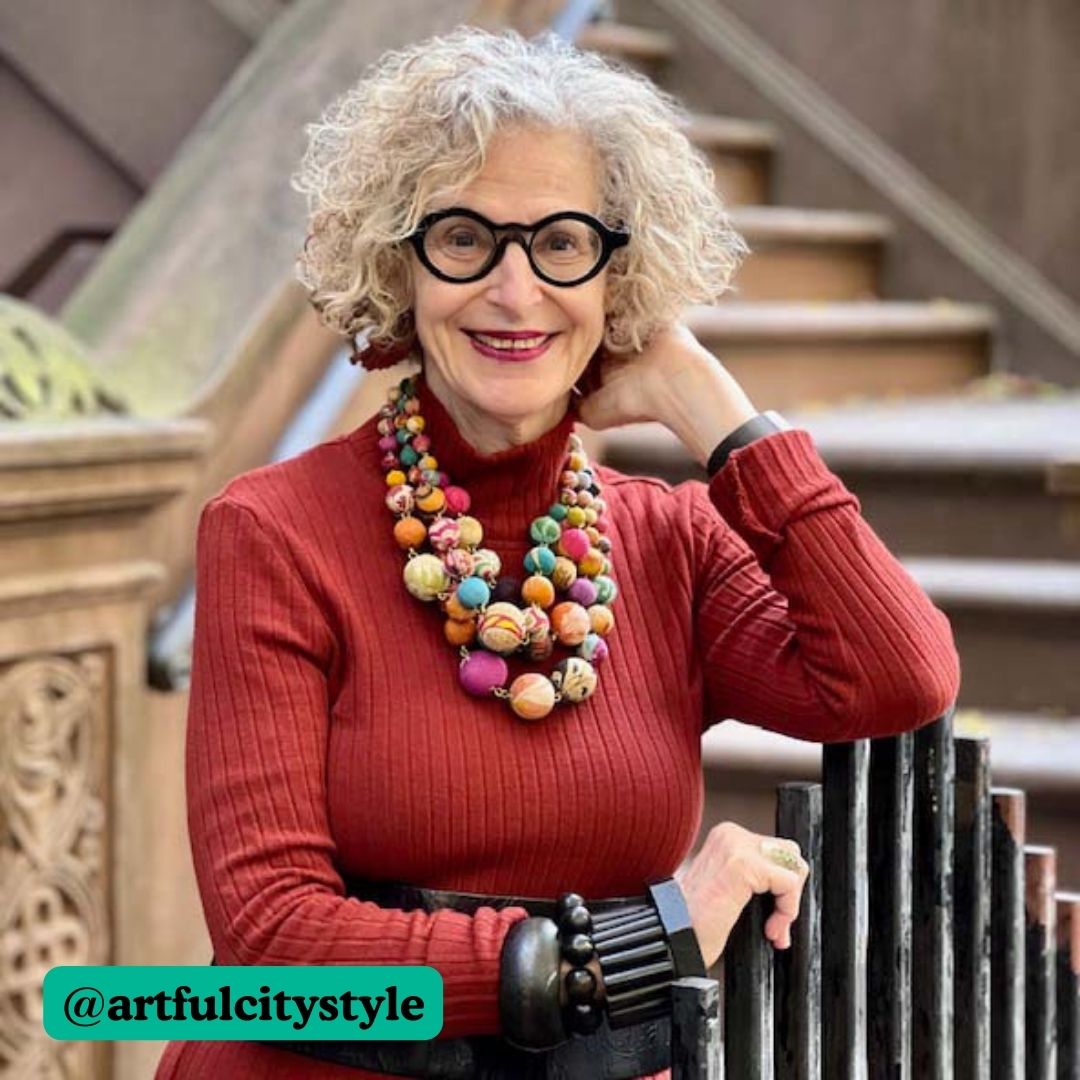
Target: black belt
column 625, row 1054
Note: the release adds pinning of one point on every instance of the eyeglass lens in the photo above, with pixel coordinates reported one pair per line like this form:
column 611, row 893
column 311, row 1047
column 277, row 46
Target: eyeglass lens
column 564, row 249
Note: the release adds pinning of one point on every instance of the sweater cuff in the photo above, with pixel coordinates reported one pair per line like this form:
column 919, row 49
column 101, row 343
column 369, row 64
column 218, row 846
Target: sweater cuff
column 772, row 481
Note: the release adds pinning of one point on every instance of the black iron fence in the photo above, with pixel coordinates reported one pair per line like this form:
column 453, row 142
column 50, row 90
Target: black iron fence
column 932, row 942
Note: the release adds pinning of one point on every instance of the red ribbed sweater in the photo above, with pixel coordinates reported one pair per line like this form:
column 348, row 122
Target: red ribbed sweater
column 327, row 731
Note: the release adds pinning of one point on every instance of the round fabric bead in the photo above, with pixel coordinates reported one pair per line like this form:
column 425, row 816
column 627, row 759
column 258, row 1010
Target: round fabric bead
column 591, row 516
column 432, row 477
column 403, row 434
column 428, row 463
column 412, row 407
column 388, row 444
column 502, row 628
column 507, row 590
column 430, row 500
column 459, row 562
column 444, row 534
column 540, row 560
column 568, row 479
column 545, row 530
column 576, row 461
column 457, row 500
column 591, row 563
column 473, row 593
column 582, row 592
column 389, row 461
column 538, row 590
column 564, row 573
column 557, row 511
column 574, row 678
column 573, row 544
column 415, row 424
column 421, row 444
column 568, row 497
column 400, row 499
column 570, row 622
column 575, row 443
column 584, row 500
column 601, row 619
column 472, row 532
column 537, row 623
column 385, row 427
column 409, row 532
column 426, row 577
column 481, row 672
column 603, row 544
column 606, row 590
column 593, row 534
column 456, row 609
column 416, row 476
column 575, row 515
column 532, row 696
column 487, row 563
column 460, row 631
column 395, row 477
column 594, row 649
column 408, row 456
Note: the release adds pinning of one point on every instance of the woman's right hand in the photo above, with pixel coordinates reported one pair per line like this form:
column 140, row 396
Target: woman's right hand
column 731, row 867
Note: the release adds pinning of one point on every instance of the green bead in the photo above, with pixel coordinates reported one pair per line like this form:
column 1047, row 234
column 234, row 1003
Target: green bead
column 606, row 590
column 545, row 530
column 409, row 457
column 540, row 560
column 403, row 435
column 557, row 511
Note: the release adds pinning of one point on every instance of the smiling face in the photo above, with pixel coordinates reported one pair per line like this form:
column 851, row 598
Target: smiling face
column 498, row 393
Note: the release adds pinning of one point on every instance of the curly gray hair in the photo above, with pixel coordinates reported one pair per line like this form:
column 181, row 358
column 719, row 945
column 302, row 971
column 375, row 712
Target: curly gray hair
column 416, row 127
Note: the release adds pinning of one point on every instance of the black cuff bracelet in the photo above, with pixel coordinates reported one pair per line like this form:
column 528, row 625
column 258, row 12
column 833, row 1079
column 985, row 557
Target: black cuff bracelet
column 641, row 950
column 757, row 427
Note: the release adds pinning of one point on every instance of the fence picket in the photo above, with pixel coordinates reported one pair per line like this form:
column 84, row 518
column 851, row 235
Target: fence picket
column 1040, row 882
column 748, row 996
column 1008, row 832
column 695, row 1030
column 1068, row 985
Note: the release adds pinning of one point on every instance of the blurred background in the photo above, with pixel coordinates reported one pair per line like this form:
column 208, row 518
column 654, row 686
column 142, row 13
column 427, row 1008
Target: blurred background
column 907, row 176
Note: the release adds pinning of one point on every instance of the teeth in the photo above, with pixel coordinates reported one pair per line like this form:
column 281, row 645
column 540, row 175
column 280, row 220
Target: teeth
column 509, row 345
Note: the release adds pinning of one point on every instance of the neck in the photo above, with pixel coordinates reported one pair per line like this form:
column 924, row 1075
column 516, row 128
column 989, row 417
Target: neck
column 489, row 434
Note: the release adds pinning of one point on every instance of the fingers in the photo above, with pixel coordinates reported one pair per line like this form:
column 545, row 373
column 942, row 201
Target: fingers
column 787, row 875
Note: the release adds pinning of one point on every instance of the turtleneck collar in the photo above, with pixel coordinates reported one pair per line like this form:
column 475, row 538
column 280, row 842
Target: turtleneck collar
column 508, row 488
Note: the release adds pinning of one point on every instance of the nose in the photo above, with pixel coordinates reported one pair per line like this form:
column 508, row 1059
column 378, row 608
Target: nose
column 512, row 283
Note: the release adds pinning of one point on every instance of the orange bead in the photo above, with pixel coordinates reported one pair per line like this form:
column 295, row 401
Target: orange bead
column 538, row 590
column 460, row 632
column 457, row 610
column 430, row 502
column 592, row 563
column 601, row 619
column 593, row 535
column 570, row 622
column 409, row 532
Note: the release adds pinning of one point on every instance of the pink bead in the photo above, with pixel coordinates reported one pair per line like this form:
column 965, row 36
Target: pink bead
column 575, row 543
column 601, row 652
column 583, row 592
column 458, row 500
column 482, row 672
column 388, row 443
column 421, row 443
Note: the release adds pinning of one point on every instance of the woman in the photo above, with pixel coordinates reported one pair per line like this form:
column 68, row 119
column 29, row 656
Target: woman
column 374, row 778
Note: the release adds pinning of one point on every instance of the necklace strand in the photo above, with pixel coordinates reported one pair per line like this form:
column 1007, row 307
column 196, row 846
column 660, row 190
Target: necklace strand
column 565, row 600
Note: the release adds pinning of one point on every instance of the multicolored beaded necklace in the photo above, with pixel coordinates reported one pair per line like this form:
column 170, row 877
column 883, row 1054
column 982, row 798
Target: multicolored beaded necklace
column 565, row 599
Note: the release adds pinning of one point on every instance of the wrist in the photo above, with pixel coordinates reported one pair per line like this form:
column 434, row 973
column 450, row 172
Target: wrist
column 702, row 404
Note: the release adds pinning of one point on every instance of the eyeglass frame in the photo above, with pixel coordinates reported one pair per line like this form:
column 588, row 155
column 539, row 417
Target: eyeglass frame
column 611, row 241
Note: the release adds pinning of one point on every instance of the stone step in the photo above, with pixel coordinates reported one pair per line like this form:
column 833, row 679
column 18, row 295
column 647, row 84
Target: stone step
column 809, row 255
column 791, row 354
column 959, row 476
column 644, row 50
column 1017, row 628
column 741, row 153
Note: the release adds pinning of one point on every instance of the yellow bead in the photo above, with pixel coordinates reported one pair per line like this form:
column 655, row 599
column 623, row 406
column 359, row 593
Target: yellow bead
column 430, row 502
column 471, row 532
column 415, row 424
column 576, row 516
column 538, row 590
column 591, row 516
column 395, row 477
column 577, row 461
column 428, row 462
column 592, row 563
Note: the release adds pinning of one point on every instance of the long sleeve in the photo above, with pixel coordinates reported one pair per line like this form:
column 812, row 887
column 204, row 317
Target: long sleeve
column 805, row 623
column 257, row 735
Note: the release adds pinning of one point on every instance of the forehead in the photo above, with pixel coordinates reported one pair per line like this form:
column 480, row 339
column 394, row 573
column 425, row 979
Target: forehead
column 529, row 173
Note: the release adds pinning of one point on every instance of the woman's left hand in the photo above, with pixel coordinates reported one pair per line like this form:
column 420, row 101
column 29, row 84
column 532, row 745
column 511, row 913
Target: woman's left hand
column 675, row 381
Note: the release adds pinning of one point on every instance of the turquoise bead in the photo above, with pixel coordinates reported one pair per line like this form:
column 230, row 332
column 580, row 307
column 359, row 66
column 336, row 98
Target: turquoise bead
column 557, row 511
column 540, row 560
column 473, row 592
column 545, row 530
column 409, row 457
column 403, row 435
column 606, row 590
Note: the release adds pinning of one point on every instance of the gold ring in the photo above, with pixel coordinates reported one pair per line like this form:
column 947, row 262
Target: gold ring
column 782, row 857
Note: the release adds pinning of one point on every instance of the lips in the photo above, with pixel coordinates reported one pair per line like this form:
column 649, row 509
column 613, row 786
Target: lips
column 510, row 344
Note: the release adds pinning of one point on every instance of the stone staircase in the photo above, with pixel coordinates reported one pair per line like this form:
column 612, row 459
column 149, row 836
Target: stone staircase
column 951, row 467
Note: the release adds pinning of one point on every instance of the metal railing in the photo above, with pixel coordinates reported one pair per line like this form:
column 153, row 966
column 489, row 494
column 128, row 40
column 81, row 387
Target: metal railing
column 931, row 945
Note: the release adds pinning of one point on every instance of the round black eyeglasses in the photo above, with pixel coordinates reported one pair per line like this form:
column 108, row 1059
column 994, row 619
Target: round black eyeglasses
column 568, row 248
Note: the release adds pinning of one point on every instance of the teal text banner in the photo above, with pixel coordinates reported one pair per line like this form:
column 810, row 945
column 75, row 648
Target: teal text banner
column 279, row 1002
